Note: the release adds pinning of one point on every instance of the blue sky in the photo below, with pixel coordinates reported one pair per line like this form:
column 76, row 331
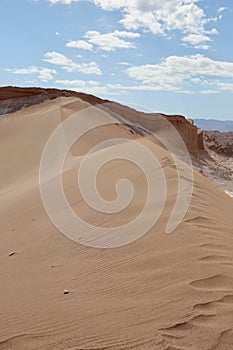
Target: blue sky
column 173, row 56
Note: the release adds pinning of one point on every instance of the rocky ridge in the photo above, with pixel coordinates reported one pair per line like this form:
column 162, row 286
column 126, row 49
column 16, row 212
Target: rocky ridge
column 13, row 99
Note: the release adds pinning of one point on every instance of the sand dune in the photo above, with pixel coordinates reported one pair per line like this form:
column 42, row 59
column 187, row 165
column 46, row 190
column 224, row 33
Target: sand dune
column 163, row 292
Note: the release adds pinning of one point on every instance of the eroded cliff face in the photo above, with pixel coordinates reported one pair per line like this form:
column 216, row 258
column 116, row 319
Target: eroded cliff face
column 13, row 99
column 192, row 136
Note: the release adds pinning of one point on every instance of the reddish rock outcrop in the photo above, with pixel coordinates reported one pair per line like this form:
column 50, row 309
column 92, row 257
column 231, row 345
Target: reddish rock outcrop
column 13, row 99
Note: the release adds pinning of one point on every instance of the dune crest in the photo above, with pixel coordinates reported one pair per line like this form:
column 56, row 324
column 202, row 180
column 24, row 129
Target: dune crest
column 13, row 99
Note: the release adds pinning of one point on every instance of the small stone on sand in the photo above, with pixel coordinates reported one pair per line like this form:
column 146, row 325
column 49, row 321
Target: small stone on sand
column 12, row 253
column 66, row 291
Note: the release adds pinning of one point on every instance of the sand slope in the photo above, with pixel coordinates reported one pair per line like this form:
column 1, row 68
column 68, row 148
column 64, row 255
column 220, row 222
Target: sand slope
column 160, row 292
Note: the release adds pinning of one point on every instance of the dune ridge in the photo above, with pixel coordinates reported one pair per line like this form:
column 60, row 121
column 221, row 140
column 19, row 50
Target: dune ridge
column 13, row 99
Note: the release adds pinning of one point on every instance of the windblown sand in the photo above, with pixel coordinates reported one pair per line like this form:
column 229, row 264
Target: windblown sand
column 163, row 292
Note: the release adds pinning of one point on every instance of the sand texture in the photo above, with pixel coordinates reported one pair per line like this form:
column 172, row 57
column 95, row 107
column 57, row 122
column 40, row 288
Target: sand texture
column 162, row 292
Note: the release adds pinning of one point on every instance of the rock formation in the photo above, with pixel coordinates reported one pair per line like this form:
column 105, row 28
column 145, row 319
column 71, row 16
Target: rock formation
column 219, row 142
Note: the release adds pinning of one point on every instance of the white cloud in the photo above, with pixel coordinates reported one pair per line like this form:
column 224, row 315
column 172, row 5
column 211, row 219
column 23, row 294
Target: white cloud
column 224, row 86
column 94, row 82
column 219, row 86
column 89, row 68
column 184, row 15
column 157, row 16
column 221, row 9
column 111, row 4
column 66, row 2
column 58, row 59
column 124, row 63
column 109, row 41
column 183, row 74
column 209, row 92
column 80, row 44
column 177, row 73
column 100, row 91
column 106, row 42
column 197, row 40
column 69, row 65
column 213, row 31
column 90, row 87
column 28, row 70
column 124, row 34
column 77, row 83
column 44, row 74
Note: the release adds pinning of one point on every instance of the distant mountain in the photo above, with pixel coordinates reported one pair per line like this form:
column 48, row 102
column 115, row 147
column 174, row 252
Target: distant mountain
column 214, row 124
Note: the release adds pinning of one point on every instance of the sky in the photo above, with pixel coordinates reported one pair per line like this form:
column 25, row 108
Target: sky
column 173, row 56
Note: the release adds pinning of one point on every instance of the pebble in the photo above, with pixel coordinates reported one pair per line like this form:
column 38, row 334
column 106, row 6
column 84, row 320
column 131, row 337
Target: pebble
column 12, row 253
column 66, row 291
